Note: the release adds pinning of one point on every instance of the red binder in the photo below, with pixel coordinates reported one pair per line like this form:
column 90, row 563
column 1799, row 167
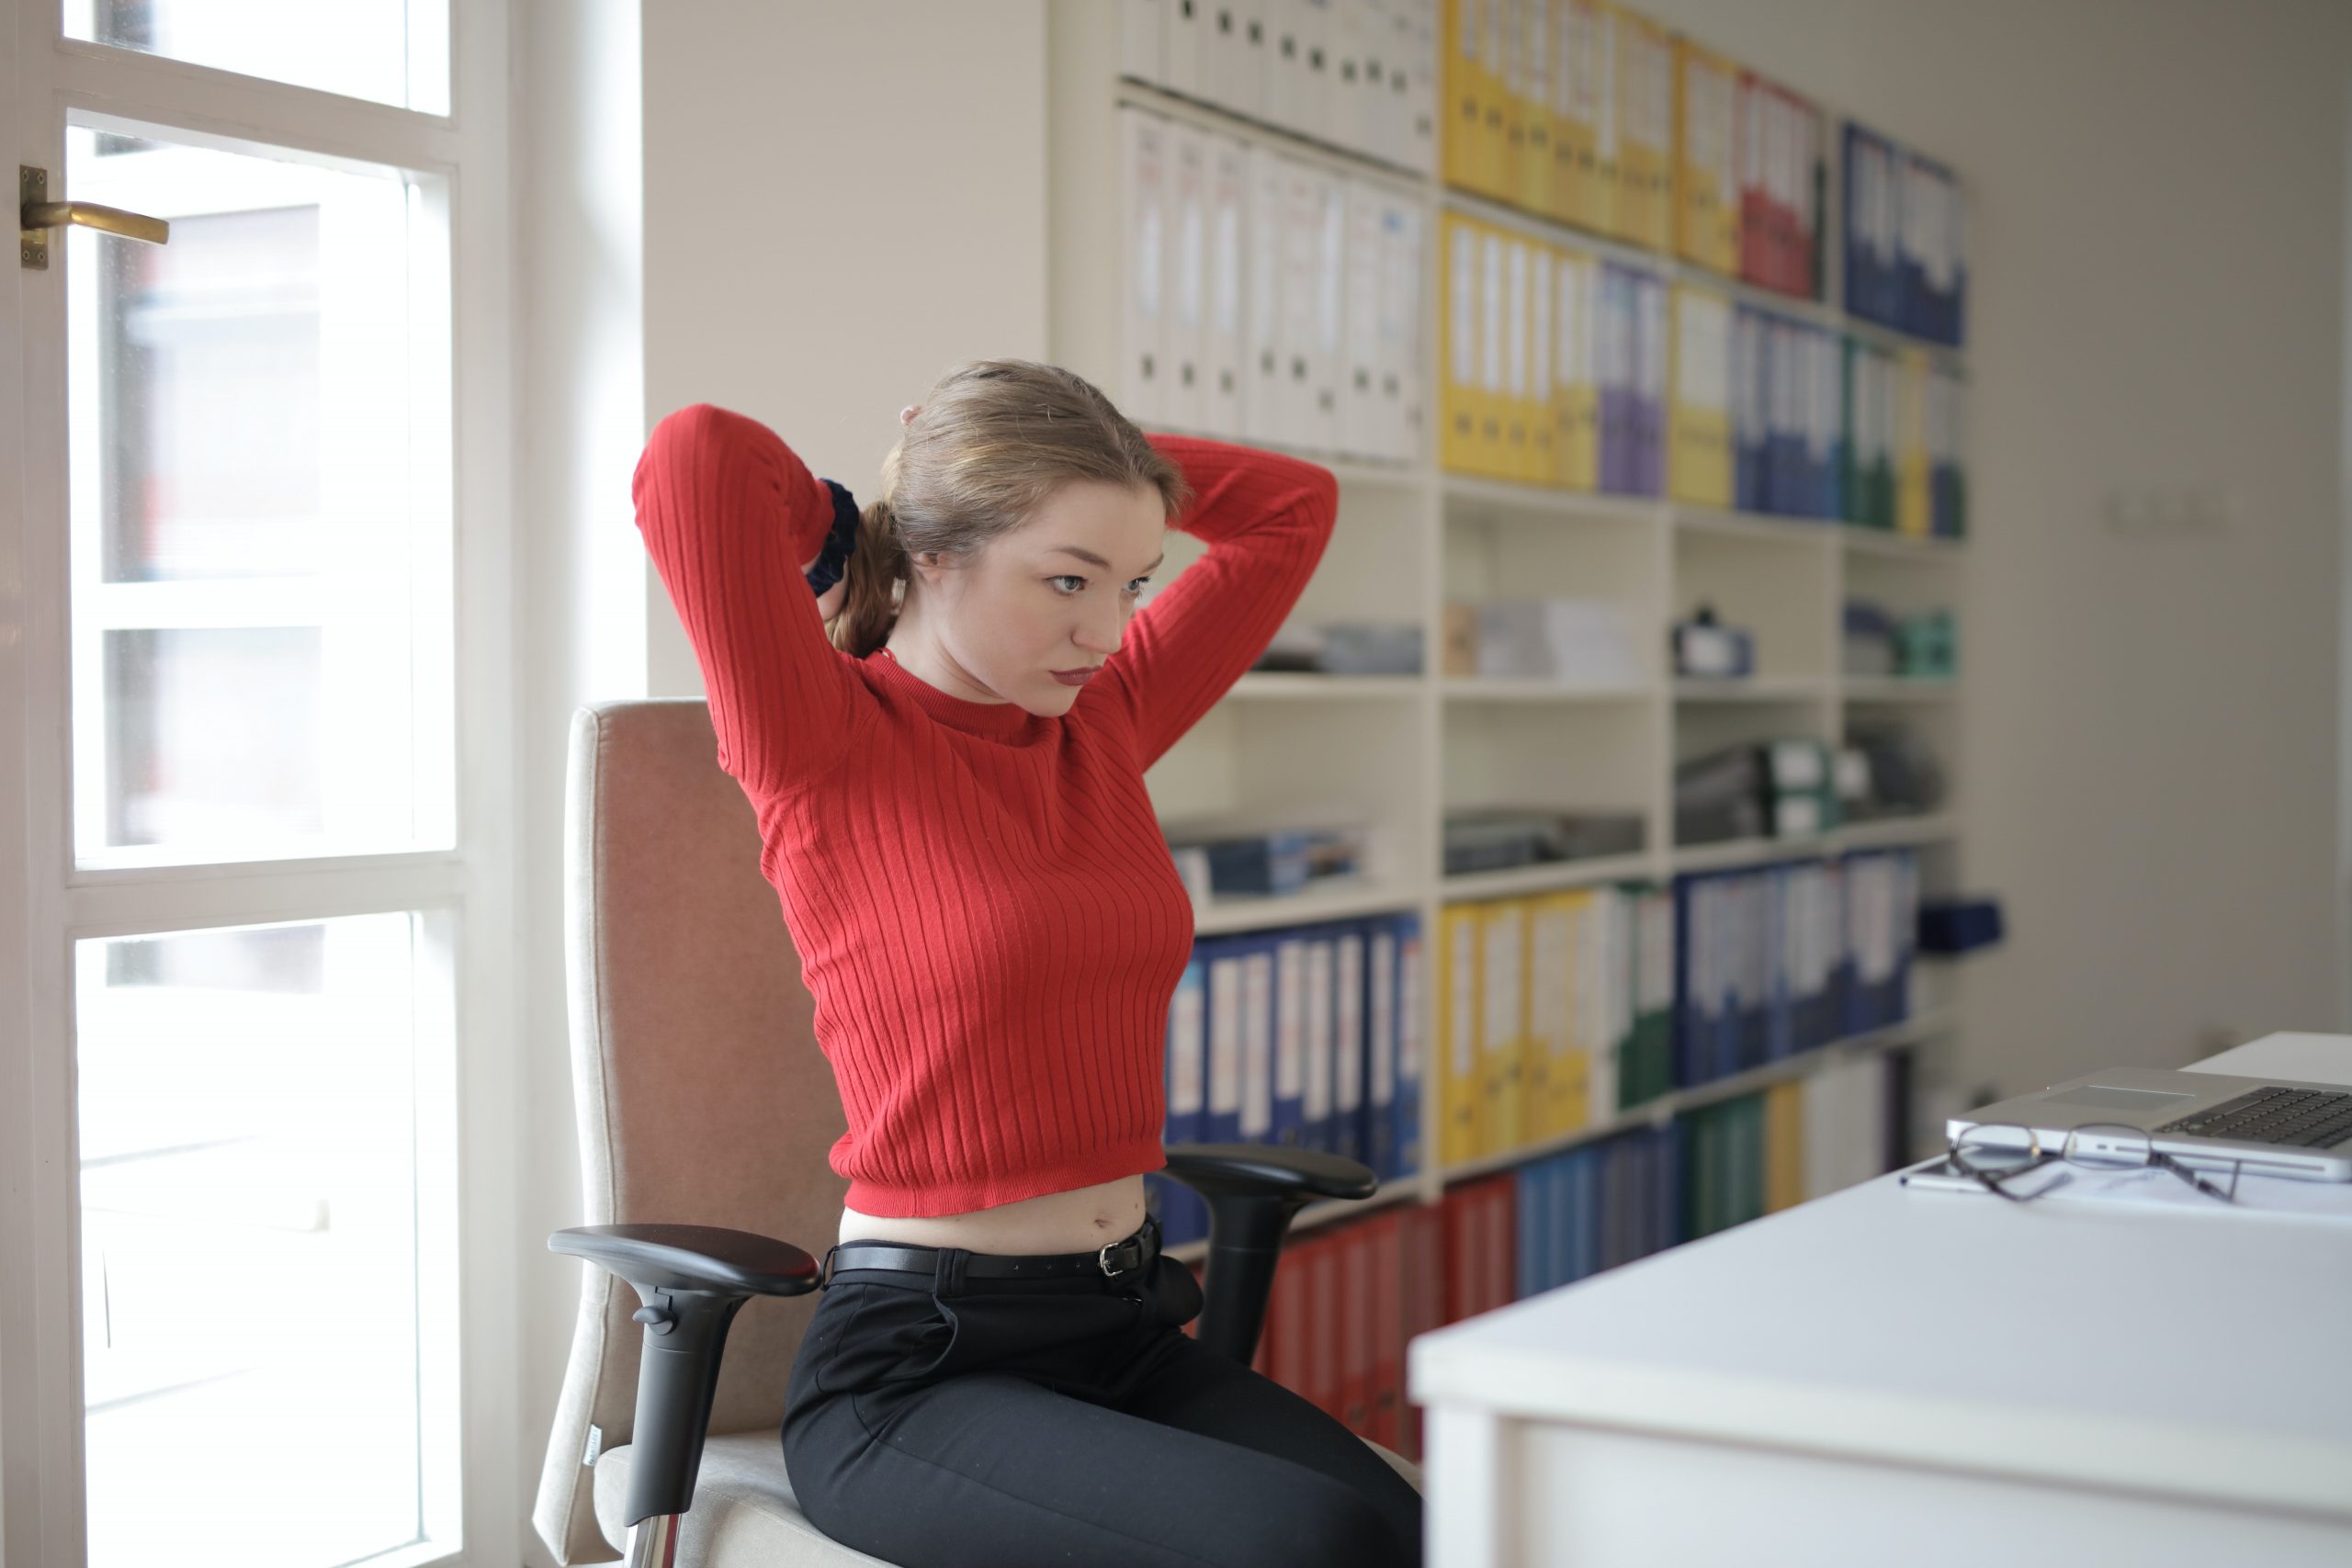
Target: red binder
column 1389, row 1314
column 1354, row 1244
column 1499, row 1255
column 1322, row 1338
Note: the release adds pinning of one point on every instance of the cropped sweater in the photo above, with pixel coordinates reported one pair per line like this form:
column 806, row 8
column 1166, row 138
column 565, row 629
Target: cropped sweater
column 984, row 905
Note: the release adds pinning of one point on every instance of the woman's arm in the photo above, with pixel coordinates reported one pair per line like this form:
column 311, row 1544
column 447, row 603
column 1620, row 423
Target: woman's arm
column 731, row 515
column 1267, row 518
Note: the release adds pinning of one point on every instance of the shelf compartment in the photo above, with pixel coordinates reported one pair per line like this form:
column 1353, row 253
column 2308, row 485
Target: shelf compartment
column 1308, row 686
column 1529, row 689
column 1751, row 689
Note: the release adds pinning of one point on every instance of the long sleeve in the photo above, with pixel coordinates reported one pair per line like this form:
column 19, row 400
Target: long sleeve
column 730, row 513
column 1266, row 517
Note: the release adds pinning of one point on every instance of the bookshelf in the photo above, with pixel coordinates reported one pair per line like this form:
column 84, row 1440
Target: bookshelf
column 1400, row 751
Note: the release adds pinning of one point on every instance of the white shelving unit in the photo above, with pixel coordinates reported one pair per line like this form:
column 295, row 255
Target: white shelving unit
column 1398, row 752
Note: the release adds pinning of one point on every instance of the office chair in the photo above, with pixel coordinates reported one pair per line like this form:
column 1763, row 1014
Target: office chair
column 706, row 1114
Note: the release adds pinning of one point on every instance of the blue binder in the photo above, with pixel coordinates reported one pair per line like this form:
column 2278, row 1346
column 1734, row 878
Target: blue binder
column 1183, row 1215
column 1404, row 976
column 1224, row 962
column 1287, row 1093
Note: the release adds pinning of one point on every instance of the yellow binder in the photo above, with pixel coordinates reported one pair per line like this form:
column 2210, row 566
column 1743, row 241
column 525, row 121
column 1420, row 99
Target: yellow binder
column 1592, row 1001
column 1706, row 209
column 1461, row 1097
column 1495, row 109
column 1502, row 1033
column 1463, row 47
column 1606, row 196
column 1573, row 148
column 1458, row 344
column 1555, row 922
column 1575, row 384
column 1783, row 1145
column 1539, row 41
column 1491, row 449
column 1698, row 455
column 1543, row 394
column 1645, row 130
column 1912, row 513
column 1517, row 405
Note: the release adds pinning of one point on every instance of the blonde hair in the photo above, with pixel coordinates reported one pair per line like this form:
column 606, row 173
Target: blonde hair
column 987, row 446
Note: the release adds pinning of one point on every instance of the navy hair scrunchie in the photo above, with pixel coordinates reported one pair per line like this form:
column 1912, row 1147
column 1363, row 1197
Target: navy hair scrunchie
column 834, row 557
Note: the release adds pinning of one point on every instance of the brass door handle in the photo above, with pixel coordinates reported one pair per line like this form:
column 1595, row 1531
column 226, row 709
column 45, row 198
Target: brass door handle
column 37, row 215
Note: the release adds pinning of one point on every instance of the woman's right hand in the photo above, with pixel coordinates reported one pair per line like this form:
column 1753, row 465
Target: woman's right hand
column 829, row 603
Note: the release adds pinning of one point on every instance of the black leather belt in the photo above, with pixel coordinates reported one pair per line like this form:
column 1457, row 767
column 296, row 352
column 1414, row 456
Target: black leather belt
column 1116, row 1261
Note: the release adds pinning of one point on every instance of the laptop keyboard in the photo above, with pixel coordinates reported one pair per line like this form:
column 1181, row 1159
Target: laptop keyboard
column 2295, row 1118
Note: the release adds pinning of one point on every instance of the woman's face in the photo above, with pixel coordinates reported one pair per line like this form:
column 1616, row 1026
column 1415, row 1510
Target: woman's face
column 1054, row 594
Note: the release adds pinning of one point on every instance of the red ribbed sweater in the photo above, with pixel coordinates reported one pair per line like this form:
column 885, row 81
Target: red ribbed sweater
column 984, row 904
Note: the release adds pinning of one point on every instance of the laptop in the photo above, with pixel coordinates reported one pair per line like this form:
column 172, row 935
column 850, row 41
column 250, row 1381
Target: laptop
column 2209, row 1120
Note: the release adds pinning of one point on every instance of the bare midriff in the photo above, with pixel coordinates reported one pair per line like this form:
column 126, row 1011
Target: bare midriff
column 1080, row 1220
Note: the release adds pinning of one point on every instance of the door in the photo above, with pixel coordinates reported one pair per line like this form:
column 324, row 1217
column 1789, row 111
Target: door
column 256, row 780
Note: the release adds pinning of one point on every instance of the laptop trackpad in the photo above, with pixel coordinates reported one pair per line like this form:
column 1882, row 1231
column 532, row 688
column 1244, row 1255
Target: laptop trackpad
column 2106, row 1097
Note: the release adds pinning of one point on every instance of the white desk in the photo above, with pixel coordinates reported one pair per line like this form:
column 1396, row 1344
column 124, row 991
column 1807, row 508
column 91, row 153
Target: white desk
column 1851, row 1381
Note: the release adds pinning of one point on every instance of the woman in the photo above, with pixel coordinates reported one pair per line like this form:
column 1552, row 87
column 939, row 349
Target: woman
column 949, row 788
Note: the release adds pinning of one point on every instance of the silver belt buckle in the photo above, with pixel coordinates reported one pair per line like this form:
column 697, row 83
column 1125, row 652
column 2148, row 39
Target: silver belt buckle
column 1103, row 1258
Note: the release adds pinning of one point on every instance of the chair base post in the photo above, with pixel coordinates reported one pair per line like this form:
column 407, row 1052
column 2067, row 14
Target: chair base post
column 654, row 1542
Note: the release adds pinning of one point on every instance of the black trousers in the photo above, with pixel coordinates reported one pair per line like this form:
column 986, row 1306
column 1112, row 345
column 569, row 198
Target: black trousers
column 945, row 1422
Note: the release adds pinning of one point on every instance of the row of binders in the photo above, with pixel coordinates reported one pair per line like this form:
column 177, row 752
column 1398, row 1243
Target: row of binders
column 1348, row 1295
column 1774, row 960
column 1903, row 255
column 1593, row 115
column 1554, row 1010
column 1356, row 74
column 1266, row 299
column 1570, row 371
column 1304, row 1036
column 1559, row 1010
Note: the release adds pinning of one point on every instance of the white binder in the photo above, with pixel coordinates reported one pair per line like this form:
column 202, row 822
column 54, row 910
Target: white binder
column 1184, row 34
column 1406, row 352
column 1421, row 85
column 1141, row 45
column 1348, row 87
column 1282, row 83
column 1515, row 319
column 1491, row 299
column 1326, row 352
column 1265, row 370
column 1186, row 271
column 1301, row 242
column 1142, row 260
column 1236, row 27
column 1378, row 58
column 1317, row 32
column 1362, row 411
column 1223, row 365
column 1649, row 387
column 1542, row 434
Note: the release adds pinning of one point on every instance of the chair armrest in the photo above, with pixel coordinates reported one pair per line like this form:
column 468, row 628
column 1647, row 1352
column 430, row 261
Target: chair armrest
column 691, row 1280
column 1254, row 1190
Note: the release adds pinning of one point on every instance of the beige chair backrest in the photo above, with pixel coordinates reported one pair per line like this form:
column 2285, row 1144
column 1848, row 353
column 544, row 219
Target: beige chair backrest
column 702, row 1096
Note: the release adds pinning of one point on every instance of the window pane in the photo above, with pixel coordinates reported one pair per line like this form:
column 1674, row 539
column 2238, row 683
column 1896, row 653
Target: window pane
column 256, row 1231
column 391, row 51
column 216, row 736
column 259, row 511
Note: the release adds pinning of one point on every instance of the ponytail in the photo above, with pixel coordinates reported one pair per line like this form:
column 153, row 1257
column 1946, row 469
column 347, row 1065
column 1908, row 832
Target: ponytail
column 875, row 572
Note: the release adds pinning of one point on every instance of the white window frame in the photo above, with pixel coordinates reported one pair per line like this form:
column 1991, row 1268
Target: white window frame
column 470, row 896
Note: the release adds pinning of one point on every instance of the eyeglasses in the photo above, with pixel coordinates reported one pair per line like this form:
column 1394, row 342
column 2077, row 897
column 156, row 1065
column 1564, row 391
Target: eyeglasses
column 1996, row 1152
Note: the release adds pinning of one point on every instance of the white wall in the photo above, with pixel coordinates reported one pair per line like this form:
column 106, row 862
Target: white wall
column 802, row 211
column 2156, row 238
